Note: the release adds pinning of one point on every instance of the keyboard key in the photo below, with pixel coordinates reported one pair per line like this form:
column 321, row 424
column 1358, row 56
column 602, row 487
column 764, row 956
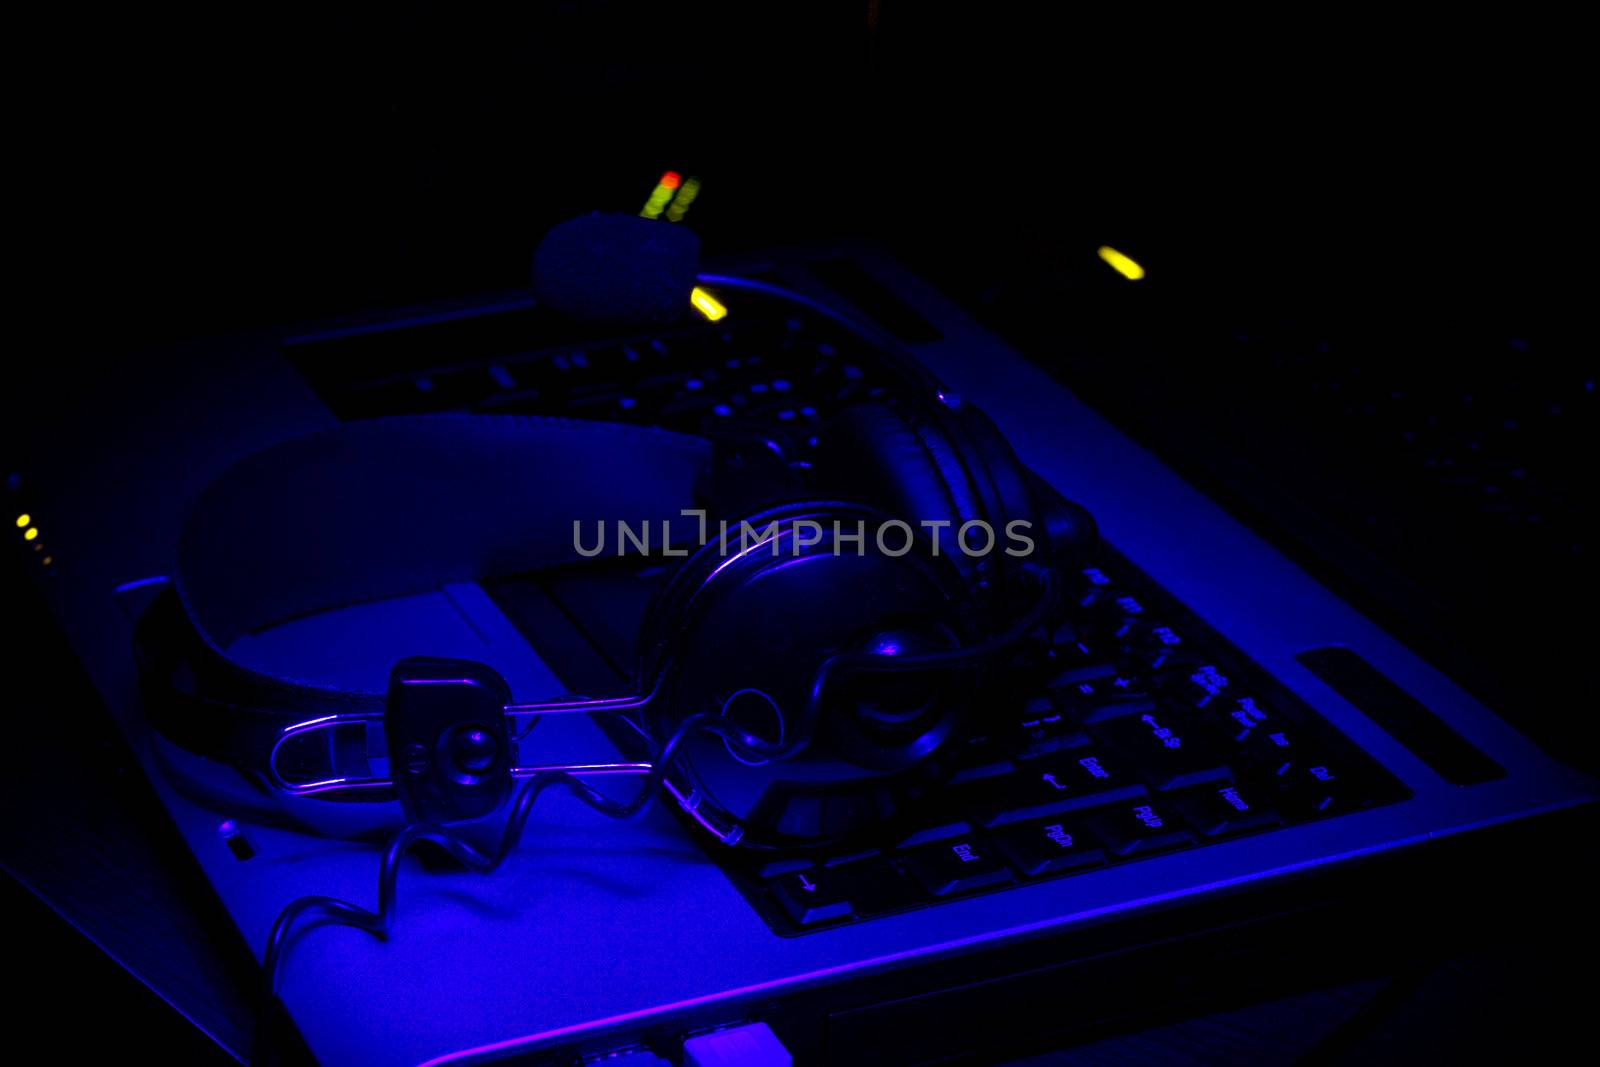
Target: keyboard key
column 1125, row 685
column 1225, row 808
column 785, row 865
column 1092, row 586
column 1080, row 772
column 935, row 833
column 858, row 887
column 1158, row 656
column 1117, row 617
column 1073, row 647
column 1077, row 682
column 1088, row 712
column 956, row 866
column 1312, row 781
column 979, row 771
column 814, row 895
column 1092, row 694
column 879, row 886
column 1060, row 781
column 1197, row 686
column 1045, row 845
column 1155, row 644
column 1041, row 722
column 1162, row 750
column 1236, row 718
column 1142, row 825
column 1274, row 750
column 982, row 749
column 1318, row 784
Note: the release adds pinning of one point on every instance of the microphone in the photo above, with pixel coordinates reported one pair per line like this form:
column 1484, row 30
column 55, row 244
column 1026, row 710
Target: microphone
column 617, row 269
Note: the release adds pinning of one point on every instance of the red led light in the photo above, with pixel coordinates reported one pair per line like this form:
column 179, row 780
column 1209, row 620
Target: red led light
column 670, row 180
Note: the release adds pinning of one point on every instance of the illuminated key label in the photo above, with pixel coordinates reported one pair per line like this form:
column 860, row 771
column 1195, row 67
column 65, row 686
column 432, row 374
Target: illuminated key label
column 964, row 852
column 1092, row 765
column 1055, row 832
column 1147, row 815
column 1162, row 733
column 1231, row 797
column 1246, row 713
column 1210, row 679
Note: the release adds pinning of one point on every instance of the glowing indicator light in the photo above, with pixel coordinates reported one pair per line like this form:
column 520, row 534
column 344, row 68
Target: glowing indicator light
column 1120, row 263
column 706, row 304
column 48, row 560
column 680, row 203
column 24, row 520
column 660, row 195
column 30, row 533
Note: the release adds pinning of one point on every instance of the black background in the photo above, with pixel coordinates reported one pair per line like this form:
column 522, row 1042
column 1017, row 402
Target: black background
column 189, row 168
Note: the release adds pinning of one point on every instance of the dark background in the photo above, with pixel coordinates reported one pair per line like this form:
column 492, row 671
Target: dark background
column 190, row 168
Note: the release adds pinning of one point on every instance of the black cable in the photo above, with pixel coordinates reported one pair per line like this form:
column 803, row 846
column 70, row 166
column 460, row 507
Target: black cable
column 324, row 910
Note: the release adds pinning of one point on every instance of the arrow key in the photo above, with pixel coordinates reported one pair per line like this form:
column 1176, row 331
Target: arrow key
column 860, row 887
column 814, row 895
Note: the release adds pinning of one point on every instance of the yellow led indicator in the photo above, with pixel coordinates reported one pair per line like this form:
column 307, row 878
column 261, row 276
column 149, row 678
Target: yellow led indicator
column 1121, row 263
column 24, row 520
column 680, row 203
column 708, row 305
column 31, row 533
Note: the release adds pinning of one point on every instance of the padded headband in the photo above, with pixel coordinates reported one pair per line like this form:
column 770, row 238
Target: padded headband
column 372, row 510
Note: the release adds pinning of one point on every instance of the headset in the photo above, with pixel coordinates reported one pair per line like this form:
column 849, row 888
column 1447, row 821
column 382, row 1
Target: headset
column 794, row 688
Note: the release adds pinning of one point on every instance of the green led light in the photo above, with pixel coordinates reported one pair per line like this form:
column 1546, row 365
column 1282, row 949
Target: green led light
column 685, row 197
column 660, row 195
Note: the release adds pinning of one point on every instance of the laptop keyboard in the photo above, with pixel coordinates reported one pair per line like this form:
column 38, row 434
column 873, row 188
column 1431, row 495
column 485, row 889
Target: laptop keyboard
column 1144, row 733
column 1141, row 731
column 767, row 373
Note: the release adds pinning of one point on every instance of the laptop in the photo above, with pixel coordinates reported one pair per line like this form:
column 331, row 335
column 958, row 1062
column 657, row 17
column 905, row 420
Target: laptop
column 1048, row 887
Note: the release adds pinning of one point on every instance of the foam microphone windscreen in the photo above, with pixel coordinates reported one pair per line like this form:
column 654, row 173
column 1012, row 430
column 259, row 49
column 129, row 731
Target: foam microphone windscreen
column 620, row 269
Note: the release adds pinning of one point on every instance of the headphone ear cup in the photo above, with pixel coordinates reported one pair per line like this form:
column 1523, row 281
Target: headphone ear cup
column 872, row 453
column 745, row 633
column 661, row 632
column 1005, row 485
column 953, row 466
